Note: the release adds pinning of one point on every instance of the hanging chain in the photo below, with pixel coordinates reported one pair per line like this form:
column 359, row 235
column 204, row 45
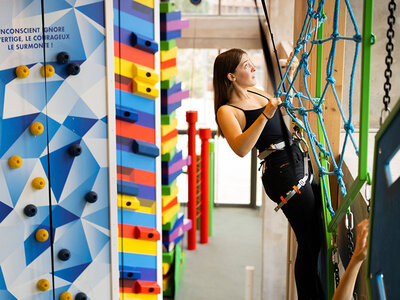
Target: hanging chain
column 350, row 236
column 335, row 260
column 391, row 20
column 349, row 226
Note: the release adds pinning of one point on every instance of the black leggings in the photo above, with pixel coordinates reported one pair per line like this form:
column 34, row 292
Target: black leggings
column 303, row 212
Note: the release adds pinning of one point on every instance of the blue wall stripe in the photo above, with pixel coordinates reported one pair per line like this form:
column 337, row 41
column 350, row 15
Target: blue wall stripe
column 136, row 218
column 135, row 102
column 136, row 161
column 135, row 24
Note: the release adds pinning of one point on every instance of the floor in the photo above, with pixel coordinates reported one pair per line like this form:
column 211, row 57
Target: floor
column 216, row 271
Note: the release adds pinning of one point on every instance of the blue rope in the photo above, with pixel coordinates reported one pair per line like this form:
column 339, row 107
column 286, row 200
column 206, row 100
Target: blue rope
column 305, row 38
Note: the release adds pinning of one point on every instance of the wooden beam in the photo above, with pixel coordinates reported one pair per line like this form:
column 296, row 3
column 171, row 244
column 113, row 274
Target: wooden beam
column 221, row 32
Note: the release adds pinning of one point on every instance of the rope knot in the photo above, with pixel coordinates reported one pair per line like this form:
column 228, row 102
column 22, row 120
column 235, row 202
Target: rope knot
column 322, row 171
column 349, row 127
column 335, row 35
column 330, row 79
column 303, row 112
column 357, row 38
column 317, row 109
column 338, row 172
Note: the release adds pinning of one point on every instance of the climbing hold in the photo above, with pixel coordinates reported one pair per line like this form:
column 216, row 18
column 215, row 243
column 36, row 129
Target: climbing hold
column 43, row 285
column 73, row 69
column 15, row 162
column 22, row 71
column 30, row 210
column 81, row 296
column 36, row 128
column 65, row 296
column 47, row 71
column 41, row 235
column 63, row 58
column 38, row 183
column 75, row 150
column 91, row 197
column 64, row 254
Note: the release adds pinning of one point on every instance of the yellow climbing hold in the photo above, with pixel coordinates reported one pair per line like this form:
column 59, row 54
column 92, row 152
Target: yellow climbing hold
column 49, row 71
column 15, row 162
column 22, row 71
column 65, row 296
column 41, row 235
column 38, row 183
column 36, row 128
column 43, row 285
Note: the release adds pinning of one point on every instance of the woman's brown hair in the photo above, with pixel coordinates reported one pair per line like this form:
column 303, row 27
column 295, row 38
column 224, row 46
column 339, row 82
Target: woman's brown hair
column 224, row 64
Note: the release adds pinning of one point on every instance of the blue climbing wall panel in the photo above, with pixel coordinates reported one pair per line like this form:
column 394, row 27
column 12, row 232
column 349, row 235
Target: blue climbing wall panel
column 136, row 98
column 384, row 259
column 64, row 174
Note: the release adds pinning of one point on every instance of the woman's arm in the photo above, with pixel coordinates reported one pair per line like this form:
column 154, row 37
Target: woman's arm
column 346, row 286
column 242, row 142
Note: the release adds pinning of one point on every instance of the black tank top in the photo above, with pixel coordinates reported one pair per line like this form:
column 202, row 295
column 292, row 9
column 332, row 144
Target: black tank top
column 272, row 132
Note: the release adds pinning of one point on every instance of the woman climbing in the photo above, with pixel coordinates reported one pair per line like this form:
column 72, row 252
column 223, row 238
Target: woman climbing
column 248, row 118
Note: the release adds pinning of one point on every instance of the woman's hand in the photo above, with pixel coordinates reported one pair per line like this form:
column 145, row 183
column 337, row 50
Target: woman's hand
column 360, row 251
column 272, row 106
column 293, row 66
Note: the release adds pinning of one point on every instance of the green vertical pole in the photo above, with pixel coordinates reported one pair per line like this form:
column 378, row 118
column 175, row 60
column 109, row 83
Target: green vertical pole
column 211, row 197
column 324, row 179
column 368, row 40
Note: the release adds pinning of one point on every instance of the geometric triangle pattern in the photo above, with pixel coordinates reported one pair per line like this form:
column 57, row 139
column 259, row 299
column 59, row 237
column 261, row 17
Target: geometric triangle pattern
column 69, row 107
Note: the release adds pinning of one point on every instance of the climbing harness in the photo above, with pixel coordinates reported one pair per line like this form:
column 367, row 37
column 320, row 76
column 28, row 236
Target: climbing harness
column 391, row 20
column 296, row 188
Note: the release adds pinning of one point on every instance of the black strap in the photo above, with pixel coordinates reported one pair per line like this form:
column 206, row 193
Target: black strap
column 259, row 94
column 236, row 107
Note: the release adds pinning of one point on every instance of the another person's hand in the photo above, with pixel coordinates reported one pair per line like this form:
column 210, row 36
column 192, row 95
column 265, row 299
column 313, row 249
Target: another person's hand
column 360, row 251
column 272, row 106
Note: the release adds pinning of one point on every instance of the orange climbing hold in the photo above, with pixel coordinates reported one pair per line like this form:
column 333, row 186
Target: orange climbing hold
column 36, row 128
column 15, row 162
column 38, row 183
column 47, row 71
column 41, row 235
column 43, row 285
column 22, row 71
column 65, row 296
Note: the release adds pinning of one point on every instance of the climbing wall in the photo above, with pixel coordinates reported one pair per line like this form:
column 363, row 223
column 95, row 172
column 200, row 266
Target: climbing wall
column 174, row 224
column 54, row 203
column 384, row 262
column 137, row 126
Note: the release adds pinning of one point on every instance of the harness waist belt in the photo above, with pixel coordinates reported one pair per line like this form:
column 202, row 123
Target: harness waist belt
column 274, row 147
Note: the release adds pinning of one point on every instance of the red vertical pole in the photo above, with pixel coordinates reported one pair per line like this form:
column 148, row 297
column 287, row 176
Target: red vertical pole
column 205, row 135
column 191, row 118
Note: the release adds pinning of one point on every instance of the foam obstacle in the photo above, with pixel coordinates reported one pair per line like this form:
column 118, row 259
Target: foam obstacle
column 174, row 224
column 200, row 187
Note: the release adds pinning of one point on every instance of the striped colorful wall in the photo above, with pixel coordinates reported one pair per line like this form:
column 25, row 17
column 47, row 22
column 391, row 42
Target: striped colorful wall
column 174, row 223
column 136, row 51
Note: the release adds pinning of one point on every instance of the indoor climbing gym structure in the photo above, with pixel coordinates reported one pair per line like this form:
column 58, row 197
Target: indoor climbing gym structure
column 114, row 180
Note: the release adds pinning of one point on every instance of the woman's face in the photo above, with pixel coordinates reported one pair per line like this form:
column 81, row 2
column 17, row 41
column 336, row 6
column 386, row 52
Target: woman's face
column 244, row 73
